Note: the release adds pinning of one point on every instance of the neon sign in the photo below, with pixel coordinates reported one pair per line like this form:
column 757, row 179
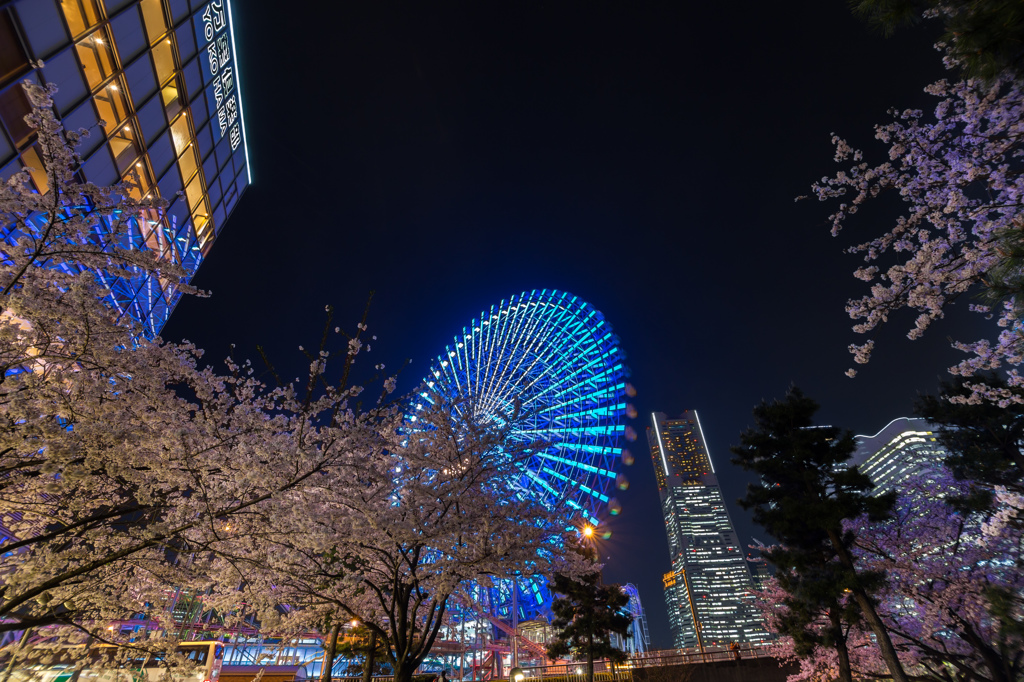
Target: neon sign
column 218, row 54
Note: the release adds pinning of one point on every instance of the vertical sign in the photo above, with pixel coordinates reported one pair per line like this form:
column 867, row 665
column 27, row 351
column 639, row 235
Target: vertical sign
column 217, row 56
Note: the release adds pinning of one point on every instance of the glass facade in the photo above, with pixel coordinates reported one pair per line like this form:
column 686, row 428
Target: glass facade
column 905, row 449
column 156, row 82
column 709, row 590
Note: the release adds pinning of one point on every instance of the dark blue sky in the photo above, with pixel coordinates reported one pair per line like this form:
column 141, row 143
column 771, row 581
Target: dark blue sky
column 643, row 156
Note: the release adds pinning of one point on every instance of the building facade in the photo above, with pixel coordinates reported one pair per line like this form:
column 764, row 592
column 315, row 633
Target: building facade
column 906, row 449
column 709, row 590
column 162, row 76
column 760, row 571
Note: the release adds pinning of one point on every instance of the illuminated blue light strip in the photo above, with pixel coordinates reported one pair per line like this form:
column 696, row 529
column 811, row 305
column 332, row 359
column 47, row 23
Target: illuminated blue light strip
column 576, row 484
column 578, row 465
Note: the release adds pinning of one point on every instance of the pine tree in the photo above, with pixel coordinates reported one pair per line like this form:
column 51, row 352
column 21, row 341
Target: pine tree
column 805, row 494
column 586, row 615
column 985, row 37
column 984, row 440
column 816, row 610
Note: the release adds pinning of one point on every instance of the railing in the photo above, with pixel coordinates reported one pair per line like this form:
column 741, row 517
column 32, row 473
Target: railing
column 606, row 672
column 690, row 656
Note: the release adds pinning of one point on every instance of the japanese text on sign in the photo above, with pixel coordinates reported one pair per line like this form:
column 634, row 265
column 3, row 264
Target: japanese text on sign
column 218, row 56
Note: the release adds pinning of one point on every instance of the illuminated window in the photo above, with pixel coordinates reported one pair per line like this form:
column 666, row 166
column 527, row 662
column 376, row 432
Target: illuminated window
column 194, row 192
column 111, row 104
column 139, row 181
column 14, row 107
column 81, row 15
column 34, row 161
column 153, row 16
column 170, row 94
column 97, row 58
column 203, row 225
column 163, row 58
column 180, row 133
column 125, row 147
column 12, row 57
column 188, row 165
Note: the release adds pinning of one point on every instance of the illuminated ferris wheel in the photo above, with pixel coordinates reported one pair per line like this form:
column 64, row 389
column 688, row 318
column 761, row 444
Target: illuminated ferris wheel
column 557, row 356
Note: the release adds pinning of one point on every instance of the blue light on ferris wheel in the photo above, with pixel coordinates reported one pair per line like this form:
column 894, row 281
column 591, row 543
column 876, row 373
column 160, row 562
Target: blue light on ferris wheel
column 557, row 356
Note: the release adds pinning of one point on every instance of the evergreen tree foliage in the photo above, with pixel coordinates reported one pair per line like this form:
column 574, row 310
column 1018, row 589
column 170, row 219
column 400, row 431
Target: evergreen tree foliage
column 984, row 37
column 805, row 494
column 984, row 440
column 586, row 615
column 812, row 581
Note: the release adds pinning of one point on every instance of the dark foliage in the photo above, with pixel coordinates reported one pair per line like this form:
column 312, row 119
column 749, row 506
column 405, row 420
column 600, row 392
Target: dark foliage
column 984, row 441
column 586, row 615
column 806, row 492
column 986, row 37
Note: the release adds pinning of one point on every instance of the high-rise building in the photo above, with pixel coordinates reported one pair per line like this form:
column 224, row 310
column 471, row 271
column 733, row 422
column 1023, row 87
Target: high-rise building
column 905, row 449
column 760, row 571
column 709, row 590
column 163, row 77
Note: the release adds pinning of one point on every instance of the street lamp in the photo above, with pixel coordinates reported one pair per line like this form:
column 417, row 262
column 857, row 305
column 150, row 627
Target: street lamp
column 516, row 675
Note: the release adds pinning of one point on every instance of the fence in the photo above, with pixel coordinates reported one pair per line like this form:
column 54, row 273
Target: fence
column 606, row 672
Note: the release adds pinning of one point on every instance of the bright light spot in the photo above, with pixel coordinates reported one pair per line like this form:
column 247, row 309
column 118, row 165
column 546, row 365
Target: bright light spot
column 588, row 531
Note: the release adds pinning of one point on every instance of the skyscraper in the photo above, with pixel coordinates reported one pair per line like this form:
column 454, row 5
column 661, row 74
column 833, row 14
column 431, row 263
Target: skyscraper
column 905, row 449
column 163, row 77
column 708, row 591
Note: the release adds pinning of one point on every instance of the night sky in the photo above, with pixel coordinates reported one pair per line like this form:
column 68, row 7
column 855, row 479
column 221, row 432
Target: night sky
column 644, row 156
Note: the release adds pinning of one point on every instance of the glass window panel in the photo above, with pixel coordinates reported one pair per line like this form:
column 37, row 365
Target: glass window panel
column 139, row 181
column 163, row 57
column 180, row 133
column 14, row 107
column 153, row 15
column 80, row 15
column 188, row 165
column 153, row 229
column 32, row 160
column 194, row 191
column 171, row 95
column 97, row 58
column 203, row 225
column 125, row 147
column 12, row 57
column 111, row 104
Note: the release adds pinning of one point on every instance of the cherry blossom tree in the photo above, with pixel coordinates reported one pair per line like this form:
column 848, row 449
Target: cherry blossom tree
column 824, row 643
column 953, row 597
column 126, row 463
column 957, row 176
column 396, row 536
column 951, row 601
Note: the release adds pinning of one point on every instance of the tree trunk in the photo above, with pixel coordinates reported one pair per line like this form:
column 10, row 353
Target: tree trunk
column 889, row 655
column 590, row 658
column 403, row 671
column 842, row 651
column 888, row 651
column 371, row 653
column 330, row 651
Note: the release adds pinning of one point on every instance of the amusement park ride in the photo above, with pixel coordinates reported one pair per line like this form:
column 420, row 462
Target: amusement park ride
column 553, row 358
